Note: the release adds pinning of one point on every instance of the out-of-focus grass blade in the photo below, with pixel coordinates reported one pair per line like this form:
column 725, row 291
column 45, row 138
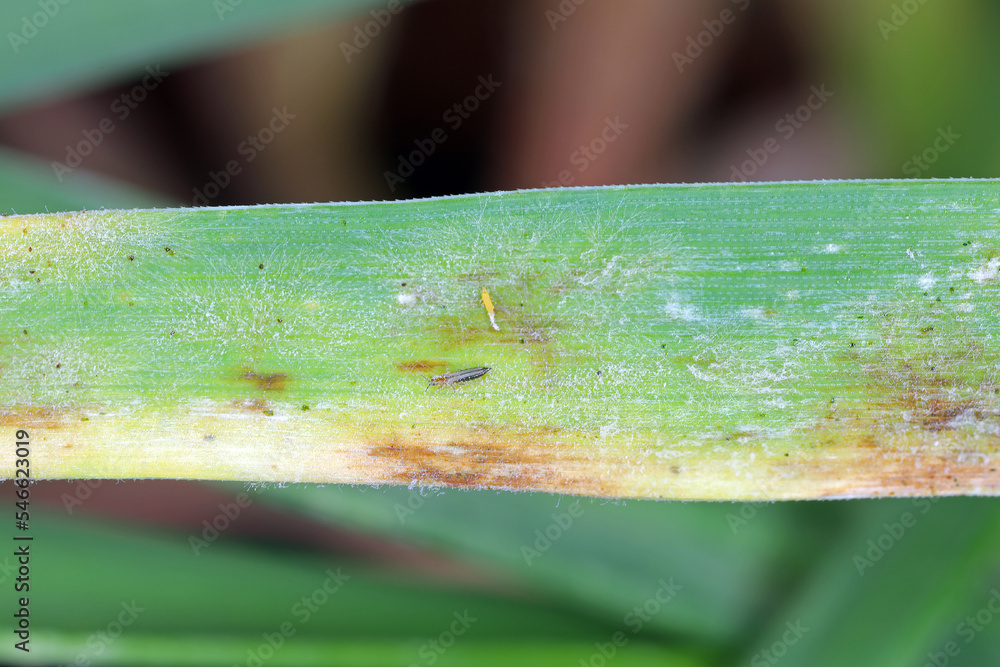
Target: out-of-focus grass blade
column 88, row 577
column 975, row 636
column 611, row 559
column 28, row 185
column 199, row 651
column 58, row 47
column 925, row 115
column 897, row 586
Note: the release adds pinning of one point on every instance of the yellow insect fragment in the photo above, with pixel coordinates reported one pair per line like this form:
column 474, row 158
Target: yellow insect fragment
column 489, row 309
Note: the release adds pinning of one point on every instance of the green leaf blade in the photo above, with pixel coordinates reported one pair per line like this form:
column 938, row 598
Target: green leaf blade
column 716, row 341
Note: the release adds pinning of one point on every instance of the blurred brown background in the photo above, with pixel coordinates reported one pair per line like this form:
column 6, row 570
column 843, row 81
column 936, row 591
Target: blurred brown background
column 594, row 93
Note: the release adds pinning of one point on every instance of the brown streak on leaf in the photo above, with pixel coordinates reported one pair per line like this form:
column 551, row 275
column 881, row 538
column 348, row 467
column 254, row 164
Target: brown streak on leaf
column 478, row 461
column 252, row 405
column 269, row 382
column 420, row 365
column 46, row 417
column 879, row 474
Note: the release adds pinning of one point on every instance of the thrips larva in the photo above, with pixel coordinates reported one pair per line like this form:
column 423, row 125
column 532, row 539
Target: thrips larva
column 488, row 302
column 465, row 375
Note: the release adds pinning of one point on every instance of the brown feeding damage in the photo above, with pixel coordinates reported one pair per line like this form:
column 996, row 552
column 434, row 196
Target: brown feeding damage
column 934, row 400
column 941, row 413
column 253, row 406
column 479, row 461
column 269, row 382
column 879, row 474
column 49, row 417
column 420, row 365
